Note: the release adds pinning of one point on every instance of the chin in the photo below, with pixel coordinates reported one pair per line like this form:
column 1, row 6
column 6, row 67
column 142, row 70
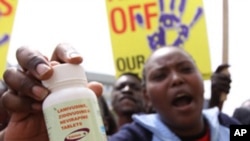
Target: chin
column 129, row 111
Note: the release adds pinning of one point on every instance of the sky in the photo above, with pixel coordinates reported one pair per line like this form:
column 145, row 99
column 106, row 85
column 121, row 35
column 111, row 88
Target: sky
column 42, row 24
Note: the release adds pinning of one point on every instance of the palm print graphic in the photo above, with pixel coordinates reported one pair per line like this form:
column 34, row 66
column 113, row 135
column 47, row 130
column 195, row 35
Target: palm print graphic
column 172, row 21
column 4, row 38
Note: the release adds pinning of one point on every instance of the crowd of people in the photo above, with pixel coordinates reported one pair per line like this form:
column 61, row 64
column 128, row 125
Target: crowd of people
column 167, row 103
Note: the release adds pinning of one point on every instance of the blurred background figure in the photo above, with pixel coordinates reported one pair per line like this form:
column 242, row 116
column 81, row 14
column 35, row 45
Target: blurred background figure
column 242, row 113
column 127, row 98
column 246, row 104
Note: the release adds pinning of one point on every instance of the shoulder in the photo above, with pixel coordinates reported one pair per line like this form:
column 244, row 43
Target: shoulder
column 226, row 120
column 223, row 119
column 242, row 114
column 132, row 132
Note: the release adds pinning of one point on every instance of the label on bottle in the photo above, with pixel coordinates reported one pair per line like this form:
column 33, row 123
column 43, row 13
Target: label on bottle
column 76, row 120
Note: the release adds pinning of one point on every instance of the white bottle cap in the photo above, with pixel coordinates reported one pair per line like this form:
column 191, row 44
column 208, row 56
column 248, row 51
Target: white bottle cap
column 66, row 72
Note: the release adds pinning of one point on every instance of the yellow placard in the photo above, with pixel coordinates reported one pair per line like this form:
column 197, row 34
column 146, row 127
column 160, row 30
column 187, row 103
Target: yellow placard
column 7, row 14
column 138, row 27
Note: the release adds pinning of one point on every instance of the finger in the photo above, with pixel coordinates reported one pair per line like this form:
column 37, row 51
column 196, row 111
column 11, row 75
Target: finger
column 65, row 53
column 96, row 87
column 14, row 103
column 24, row 85
column 222, row 67
column 3, row 87
column 54, row 63
column 221, row 78
column 34, row 62
column 4, row 115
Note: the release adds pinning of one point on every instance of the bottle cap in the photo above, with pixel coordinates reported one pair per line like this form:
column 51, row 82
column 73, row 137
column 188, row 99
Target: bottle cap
column 66, row 72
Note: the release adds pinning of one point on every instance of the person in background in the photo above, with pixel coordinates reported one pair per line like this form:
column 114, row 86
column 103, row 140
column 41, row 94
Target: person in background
column 107, row 116
column 246, row 104
column 127, row 98
column 171, row 82
column 242, row 113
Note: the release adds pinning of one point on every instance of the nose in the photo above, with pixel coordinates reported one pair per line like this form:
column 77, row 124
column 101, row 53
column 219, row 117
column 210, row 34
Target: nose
column 176, row 79
column 126, row 89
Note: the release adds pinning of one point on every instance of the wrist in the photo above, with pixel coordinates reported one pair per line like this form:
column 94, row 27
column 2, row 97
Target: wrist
column 6, row 136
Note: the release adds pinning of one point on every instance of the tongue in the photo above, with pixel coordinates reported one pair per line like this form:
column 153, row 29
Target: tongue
column 181, row 102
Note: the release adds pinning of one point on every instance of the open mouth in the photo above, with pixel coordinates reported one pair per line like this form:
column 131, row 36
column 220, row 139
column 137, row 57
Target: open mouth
column 182, row 100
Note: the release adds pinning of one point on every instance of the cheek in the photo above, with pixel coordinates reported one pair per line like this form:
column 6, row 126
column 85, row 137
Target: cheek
column 114, row 98
column 194, row 79
column 198, row 86
column 201, row 86
column 156, row 94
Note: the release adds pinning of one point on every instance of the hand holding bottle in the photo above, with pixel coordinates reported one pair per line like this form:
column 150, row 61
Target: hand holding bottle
column 25, row 95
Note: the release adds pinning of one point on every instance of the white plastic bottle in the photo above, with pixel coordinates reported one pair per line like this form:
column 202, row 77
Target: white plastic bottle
column 71, row 110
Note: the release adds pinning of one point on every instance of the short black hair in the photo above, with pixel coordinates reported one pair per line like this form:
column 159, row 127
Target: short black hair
column 131, row 74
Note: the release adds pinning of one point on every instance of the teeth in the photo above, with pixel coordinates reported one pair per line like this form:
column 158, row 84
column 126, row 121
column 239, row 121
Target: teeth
column 181, row 95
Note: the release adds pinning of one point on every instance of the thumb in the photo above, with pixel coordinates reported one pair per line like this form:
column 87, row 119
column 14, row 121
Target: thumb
column 96, row 87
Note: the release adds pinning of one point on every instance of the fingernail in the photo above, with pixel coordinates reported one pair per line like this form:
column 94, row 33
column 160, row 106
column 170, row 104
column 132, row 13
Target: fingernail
column 40, row 92
column 75, row 57
column 74, row 54
column 42, row 69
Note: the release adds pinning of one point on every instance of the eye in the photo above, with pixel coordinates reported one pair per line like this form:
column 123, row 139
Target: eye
column 119, row 87
column 187, row 69
column 158, row 76
column 135, row 87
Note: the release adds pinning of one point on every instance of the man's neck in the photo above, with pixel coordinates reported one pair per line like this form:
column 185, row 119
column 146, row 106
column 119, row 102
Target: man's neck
column 122, row 119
